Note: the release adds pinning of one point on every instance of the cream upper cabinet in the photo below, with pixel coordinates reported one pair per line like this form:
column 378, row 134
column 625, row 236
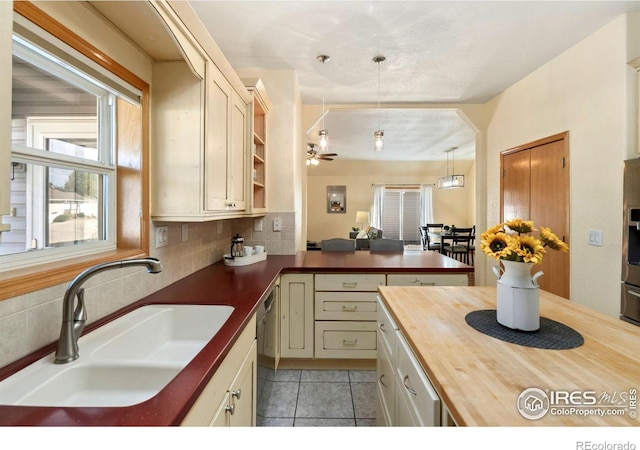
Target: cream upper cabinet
column 6, row 19
column 257, row 162
column 226, row 146
column 199, row 133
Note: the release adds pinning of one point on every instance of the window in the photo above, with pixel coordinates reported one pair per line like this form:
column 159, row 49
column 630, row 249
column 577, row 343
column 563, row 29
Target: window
column 401, row 214
column 63, row 180
column 128, row 134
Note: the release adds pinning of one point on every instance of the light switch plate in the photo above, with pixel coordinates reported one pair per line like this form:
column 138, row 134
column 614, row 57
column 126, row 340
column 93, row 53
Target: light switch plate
column 595, row 238
column 162, row 236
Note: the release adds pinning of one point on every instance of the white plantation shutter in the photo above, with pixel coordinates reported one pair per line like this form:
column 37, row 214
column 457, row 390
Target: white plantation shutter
column 410, row 215
column 401, row 214
column 391, row 214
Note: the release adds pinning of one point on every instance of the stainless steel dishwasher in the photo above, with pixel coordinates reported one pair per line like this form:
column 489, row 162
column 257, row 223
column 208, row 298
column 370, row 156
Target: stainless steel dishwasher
column 268, row 344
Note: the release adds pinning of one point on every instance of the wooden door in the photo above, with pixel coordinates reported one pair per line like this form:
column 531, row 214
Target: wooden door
column 535, row 186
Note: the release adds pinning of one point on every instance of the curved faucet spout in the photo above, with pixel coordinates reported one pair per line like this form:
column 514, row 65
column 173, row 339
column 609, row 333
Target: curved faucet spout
column 74, row 317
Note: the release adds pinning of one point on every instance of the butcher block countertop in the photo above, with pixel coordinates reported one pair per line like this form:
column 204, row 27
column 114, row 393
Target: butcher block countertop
column 242, row 287
column 479, row 378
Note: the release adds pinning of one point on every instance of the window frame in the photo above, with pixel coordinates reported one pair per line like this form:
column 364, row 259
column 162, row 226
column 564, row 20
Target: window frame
column 132, row 157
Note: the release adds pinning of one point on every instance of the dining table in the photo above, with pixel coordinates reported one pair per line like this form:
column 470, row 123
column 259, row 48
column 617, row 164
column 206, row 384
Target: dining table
column 443, row 237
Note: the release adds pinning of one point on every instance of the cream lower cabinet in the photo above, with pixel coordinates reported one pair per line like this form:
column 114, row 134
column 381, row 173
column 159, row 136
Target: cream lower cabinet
column 229, row 399
column 296, row 315
column 345, row 315
column 405, row 394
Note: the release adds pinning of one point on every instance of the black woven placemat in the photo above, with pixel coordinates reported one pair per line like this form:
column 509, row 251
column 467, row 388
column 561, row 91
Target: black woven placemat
column 551, row 334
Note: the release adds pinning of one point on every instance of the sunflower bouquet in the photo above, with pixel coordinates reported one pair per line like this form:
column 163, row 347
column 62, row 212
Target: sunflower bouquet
column 511, row 241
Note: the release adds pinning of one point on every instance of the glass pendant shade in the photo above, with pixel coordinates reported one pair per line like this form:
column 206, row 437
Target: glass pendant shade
column 323, row 143
column 378, row 141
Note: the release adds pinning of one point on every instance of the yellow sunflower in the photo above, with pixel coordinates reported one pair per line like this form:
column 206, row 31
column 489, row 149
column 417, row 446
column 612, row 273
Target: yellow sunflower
column 520, row 226
column 552, row 240
column 494, row 230
column 529, row 249
column 496, row 245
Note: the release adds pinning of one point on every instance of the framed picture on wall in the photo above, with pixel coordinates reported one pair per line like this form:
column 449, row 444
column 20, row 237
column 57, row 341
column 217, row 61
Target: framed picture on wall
column 336, row 199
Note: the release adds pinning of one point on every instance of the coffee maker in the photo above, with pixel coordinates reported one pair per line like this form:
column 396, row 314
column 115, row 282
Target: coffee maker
column 237, row 246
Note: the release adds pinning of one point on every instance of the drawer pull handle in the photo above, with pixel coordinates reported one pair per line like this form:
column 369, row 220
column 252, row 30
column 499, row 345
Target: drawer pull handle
column 349, row 341
column 428, row 284
column 409, row 388
column 382, row 382
column 236, row 394
column 381, row 326
column 349, row 307
column 635, row 294
column 349, row 285
column 230, row 409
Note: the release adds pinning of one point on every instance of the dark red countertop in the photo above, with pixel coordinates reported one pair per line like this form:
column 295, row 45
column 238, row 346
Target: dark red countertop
column 242, row 287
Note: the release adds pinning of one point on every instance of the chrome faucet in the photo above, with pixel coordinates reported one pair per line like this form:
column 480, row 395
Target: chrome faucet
column 74, row 320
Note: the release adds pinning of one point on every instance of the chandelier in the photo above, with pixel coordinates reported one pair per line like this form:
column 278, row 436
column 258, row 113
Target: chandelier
column 451, row 181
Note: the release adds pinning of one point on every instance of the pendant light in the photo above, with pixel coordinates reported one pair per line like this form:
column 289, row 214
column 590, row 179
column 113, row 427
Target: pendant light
column 378, row 136
column 323, row 134
column 451, row 181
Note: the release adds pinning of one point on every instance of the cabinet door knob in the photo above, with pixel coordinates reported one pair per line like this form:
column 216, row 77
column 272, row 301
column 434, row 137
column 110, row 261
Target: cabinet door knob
column 236, row 394
column 230, row 409
column 382, row 382
column 381, row 326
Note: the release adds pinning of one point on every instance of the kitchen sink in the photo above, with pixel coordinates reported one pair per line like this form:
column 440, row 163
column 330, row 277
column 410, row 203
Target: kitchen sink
column 122, row 363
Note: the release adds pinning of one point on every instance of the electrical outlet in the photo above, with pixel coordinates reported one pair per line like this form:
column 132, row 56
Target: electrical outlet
column 162, row 236
column 277, row 224
column 185, row 232
column 258, row 224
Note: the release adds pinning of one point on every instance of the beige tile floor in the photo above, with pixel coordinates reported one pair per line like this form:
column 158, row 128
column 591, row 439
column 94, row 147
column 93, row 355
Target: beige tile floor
column 307, row 398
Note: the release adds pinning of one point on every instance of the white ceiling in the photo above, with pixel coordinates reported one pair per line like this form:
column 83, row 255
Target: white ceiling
column 436, row 52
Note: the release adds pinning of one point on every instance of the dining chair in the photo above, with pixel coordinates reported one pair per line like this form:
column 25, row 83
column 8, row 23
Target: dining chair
column 338, row 245
column 431, row 242
column 461, row 241
column 387, row 245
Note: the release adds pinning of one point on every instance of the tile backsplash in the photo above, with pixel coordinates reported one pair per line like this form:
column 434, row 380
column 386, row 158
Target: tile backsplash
column 31, row 321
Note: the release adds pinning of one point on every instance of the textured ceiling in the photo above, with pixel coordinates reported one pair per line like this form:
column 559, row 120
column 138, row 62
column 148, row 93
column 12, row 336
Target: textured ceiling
column 436, row 52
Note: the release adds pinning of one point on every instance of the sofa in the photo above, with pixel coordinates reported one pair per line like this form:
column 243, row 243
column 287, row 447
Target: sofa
column 364, row 237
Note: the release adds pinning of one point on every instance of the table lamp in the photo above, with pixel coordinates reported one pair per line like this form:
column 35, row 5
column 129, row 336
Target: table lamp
column 362, row 217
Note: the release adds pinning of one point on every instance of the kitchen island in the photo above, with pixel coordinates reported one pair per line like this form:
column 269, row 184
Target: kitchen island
column 479, row 378
column 242, row 287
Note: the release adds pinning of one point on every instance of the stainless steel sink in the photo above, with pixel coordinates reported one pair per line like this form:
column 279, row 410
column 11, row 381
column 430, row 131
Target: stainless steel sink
column 124, row 362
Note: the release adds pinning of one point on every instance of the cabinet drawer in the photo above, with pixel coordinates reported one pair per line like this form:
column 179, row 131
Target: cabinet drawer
column 346, row 305
column 415, row 388
column 386, row 331
column 428, row 279
column 349, row 282
column 346, row 340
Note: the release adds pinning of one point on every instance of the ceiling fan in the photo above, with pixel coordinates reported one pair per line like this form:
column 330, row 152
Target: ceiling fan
column 314, row 158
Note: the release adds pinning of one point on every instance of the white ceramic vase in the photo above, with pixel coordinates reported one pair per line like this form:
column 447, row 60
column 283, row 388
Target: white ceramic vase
column 518, row 302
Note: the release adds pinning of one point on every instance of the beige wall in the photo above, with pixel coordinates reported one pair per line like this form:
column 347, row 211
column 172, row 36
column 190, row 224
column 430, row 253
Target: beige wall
column 451, row 206
column 591, row 92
